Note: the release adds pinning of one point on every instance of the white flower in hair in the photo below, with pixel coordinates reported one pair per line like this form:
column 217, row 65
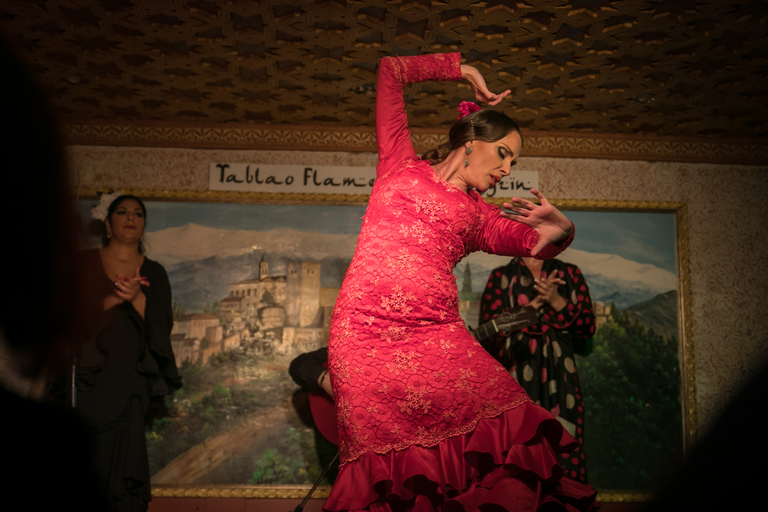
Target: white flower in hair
column 99, row 212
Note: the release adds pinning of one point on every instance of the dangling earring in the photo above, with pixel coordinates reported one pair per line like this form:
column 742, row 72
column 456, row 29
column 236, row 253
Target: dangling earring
column 466, row 160
column 109, row 232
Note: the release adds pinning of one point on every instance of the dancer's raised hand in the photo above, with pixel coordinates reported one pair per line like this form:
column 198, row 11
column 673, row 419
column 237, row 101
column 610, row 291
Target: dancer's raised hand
column 479, row 87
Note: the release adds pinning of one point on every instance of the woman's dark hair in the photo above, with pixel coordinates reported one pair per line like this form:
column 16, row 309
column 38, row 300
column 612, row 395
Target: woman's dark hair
column 484, row 125
column 113, row 206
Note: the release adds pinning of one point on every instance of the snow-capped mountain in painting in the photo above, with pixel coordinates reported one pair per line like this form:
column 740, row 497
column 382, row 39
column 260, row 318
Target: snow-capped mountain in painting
column 611, row 278
column 202, row 260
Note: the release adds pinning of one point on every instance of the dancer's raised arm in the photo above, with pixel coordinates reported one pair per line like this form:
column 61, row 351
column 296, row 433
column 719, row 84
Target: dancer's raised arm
column 393, row 138
column 529, row 229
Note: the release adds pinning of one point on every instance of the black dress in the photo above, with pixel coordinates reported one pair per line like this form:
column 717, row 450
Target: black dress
column 127, row 360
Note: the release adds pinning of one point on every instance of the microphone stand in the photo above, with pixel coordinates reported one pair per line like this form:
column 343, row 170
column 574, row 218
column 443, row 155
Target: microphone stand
column 300, row 506
column 73, row 383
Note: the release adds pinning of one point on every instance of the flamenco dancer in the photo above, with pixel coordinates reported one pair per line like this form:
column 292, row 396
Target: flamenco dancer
column 427, row 419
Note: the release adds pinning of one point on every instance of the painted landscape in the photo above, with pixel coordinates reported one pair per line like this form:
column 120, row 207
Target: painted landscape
column 254, row 286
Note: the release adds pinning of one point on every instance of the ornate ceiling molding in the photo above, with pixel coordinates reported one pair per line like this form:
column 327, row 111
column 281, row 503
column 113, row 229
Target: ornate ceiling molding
column 362, row 139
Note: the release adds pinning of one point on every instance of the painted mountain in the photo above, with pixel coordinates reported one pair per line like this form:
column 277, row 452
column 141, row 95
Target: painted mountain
column 659, row 314
column 201, row 261
column 611, row 278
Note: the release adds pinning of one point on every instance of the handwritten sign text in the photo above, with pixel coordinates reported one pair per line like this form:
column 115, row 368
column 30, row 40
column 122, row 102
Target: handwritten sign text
column 331, row 179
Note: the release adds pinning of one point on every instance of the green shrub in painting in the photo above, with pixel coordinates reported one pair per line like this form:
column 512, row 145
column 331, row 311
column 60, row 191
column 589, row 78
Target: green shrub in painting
column 633, row 417
column 287, row 463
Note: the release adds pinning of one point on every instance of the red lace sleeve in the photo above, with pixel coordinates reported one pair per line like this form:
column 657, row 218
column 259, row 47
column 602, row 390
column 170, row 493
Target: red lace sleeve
column 552, row 250
column 392, row 135
column 499, row 235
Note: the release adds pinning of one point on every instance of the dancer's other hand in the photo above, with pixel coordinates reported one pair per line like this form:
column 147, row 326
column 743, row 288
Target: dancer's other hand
column 545, row 219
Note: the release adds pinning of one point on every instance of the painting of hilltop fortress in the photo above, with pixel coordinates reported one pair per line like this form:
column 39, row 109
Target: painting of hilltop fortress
column 264, row 314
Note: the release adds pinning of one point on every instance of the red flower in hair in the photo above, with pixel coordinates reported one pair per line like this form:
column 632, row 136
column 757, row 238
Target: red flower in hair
column 467, row 107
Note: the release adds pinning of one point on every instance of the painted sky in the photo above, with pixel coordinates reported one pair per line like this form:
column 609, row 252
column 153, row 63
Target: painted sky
column 640, row 237
column 253, row 217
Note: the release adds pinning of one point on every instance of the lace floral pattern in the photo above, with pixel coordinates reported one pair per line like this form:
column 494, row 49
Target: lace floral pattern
column 424, row 378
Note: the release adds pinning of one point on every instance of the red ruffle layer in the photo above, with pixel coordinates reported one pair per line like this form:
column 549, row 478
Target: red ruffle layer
column 507, row 463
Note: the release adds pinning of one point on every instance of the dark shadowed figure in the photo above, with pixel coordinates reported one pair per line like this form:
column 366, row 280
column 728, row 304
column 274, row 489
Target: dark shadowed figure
column 46, row 449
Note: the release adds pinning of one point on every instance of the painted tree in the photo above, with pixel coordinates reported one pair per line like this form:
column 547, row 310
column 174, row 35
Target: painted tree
column 633, row 417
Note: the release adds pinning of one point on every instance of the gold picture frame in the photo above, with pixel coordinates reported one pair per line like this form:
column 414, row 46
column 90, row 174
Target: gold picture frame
column 686, row 350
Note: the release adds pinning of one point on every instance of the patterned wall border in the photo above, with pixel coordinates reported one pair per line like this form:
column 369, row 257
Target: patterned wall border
column 276, row 491
column 220, row 196
column 323, row 491
column 685, row 326
column 362, row 139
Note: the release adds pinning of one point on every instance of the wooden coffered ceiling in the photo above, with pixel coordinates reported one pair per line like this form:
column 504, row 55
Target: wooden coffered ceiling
column 663, row 68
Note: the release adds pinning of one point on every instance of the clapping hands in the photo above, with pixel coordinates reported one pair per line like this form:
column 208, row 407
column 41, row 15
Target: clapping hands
column 129, row 289
column 546, row 287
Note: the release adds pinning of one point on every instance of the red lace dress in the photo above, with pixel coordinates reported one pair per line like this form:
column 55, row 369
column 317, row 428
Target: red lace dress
column 427, row 419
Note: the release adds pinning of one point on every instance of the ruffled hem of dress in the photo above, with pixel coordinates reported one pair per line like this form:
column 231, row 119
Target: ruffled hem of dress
column 434, row 439
column 509, row 462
